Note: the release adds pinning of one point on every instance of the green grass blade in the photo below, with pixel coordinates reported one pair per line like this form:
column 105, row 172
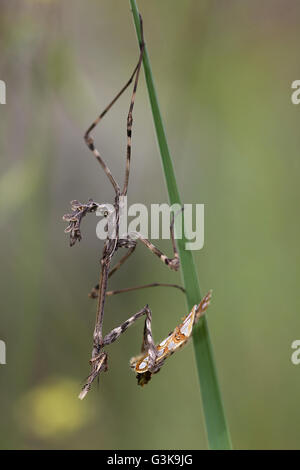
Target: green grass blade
column 216, row 427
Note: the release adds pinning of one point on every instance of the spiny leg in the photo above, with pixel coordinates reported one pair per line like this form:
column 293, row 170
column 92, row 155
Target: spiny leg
column 94, row 292
column 90, row 143
column 89, row 139
column 129, row 117
column 99, row 360
column 174, row 262
column 148, row 338
column 145, row 286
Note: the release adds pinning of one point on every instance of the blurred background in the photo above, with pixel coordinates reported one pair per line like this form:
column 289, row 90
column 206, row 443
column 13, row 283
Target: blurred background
column 223, row 73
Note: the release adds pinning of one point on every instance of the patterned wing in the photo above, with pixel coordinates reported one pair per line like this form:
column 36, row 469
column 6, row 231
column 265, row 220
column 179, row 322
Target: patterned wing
column 178, row 338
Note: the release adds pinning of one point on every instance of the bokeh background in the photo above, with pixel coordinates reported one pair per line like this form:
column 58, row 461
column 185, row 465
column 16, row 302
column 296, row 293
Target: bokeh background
column 223, row 73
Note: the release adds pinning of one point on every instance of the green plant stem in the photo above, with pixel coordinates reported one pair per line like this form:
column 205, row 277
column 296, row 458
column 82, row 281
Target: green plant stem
column 216, row 427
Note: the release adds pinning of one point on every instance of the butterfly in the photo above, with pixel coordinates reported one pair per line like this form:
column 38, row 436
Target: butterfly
column 176, row 340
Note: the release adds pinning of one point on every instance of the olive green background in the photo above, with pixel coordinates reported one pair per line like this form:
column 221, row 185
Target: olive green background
column 223, row 72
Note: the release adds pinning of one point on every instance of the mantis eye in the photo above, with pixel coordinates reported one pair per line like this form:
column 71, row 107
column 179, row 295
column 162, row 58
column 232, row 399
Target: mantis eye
column 105, row 213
